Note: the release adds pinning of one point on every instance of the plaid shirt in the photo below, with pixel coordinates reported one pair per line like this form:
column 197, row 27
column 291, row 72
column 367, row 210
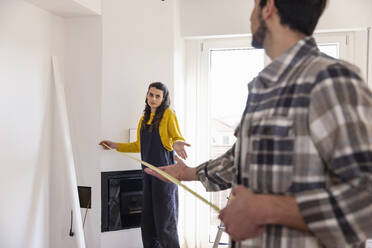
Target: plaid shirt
column 306, row 132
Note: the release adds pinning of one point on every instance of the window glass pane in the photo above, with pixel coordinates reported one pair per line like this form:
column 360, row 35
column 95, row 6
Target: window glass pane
column 330, row 49
column 230, row 72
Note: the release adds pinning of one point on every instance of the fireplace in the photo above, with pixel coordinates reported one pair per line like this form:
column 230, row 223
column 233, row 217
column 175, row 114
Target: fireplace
column 121, row 196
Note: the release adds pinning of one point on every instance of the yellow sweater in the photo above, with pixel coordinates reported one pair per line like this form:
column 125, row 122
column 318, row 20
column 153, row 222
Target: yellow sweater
column 169, row 132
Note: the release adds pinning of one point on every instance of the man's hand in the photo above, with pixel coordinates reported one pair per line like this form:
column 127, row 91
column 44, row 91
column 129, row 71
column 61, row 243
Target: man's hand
column 179, row 148
column 244, row 216
column 179, row 170
column 247, row 214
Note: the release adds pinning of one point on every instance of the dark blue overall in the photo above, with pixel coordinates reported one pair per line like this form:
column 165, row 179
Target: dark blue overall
column 160, row 199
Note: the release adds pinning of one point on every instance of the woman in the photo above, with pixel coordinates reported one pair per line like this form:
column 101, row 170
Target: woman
column 158, row 135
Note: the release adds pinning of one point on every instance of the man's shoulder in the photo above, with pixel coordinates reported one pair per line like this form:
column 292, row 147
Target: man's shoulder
column 323, row 66
column 338, row 68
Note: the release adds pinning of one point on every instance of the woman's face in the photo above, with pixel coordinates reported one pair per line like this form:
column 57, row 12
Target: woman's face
column 154, row 98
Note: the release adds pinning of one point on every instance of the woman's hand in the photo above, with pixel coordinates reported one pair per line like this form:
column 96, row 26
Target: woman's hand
column 179, row 148
column 111, row 144
column 179, row 171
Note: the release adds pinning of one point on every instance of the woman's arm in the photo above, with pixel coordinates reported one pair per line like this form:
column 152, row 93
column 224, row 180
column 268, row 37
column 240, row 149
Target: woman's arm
column 178, row 142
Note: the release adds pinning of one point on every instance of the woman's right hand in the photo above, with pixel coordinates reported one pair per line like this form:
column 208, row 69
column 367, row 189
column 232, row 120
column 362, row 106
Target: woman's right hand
column 109, row 143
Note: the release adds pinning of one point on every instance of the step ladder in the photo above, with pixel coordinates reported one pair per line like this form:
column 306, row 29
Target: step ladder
column 220, row 231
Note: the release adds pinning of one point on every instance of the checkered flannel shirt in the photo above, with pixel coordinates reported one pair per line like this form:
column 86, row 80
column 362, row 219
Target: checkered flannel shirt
column 306, row 132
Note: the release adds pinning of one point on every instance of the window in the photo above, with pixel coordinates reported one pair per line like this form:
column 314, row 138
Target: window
column 225, row 140
column 330, row 49
column 230, row 70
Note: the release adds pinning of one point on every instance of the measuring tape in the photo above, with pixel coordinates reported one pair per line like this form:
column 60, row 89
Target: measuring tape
column 170, row 178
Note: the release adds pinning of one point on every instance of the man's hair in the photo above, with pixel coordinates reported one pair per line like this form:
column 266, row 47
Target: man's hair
column 299, row 15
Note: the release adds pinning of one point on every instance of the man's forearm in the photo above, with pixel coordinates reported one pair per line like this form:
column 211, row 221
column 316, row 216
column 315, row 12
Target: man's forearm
column 189, row 174
column 284, row 211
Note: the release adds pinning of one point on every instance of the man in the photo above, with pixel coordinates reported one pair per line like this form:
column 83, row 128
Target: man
column 303, row 155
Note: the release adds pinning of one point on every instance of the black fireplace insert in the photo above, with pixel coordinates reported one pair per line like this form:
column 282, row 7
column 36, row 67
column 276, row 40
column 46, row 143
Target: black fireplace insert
column 121, row 196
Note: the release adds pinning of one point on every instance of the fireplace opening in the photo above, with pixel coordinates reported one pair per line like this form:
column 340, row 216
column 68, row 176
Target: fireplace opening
column 121, row 198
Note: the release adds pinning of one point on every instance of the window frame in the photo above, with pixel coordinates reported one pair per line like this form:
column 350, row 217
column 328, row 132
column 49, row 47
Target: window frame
column 204, row 113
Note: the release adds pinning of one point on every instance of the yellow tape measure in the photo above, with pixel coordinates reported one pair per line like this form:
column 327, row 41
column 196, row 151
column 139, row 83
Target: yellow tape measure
column 170, row 178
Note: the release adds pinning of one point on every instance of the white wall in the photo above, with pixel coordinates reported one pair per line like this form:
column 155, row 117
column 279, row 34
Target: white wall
column 225, row 17
column 95, row 5
column 70, row 8
column 83, row 57
column 29, row 37
column 344, row 14
column 211, row 17
column 138, row 43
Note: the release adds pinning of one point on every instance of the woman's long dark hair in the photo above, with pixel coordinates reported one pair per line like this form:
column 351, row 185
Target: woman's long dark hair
column 160, row 110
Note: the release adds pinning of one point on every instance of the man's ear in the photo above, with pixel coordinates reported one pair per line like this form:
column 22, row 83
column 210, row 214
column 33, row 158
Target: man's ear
column 269, row 9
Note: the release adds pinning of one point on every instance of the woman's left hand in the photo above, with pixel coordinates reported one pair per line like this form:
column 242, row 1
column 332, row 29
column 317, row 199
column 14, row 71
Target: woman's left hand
column 179, row 148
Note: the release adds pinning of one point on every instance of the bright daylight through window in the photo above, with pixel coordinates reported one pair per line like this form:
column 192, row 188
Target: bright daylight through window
column 229, row 73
